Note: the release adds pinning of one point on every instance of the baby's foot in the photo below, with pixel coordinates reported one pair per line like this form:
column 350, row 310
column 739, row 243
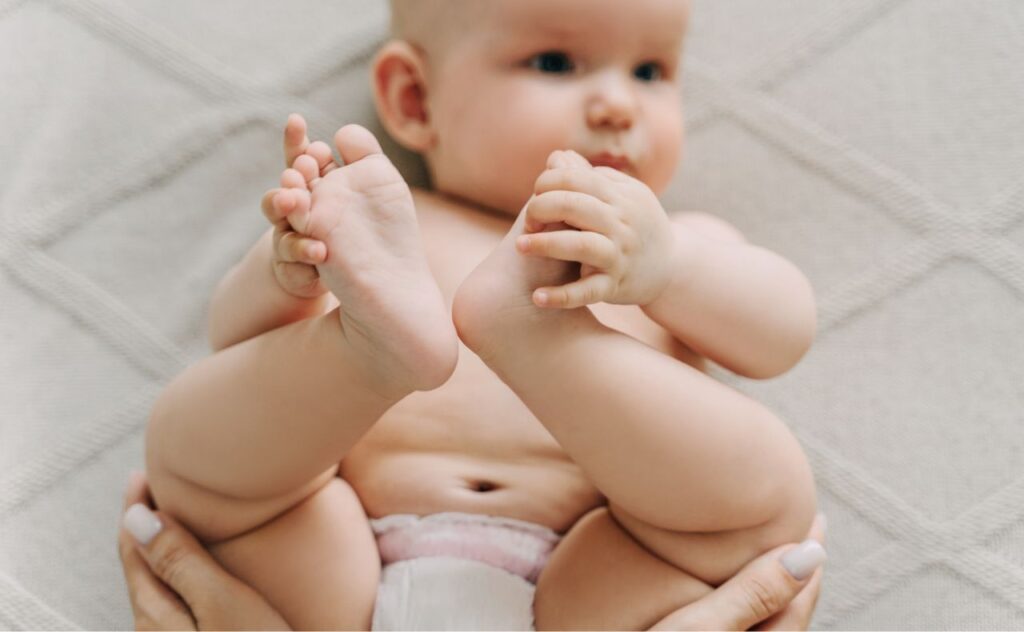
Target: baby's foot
column 494, row 308
column 392, row 313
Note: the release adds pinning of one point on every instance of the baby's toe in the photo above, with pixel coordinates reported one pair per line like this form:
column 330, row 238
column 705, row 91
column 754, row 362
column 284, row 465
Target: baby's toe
column 355, row 142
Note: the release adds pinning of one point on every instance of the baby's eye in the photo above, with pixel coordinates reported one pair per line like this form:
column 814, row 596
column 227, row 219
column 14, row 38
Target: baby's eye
column 551, row 62
column 651, row 71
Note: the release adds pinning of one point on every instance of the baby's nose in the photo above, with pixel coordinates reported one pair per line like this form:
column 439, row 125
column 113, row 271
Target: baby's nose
column 612, row 104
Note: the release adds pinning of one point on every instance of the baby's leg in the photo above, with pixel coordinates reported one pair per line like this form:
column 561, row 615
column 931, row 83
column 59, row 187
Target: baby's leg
column 243, row 447
column 701, row 476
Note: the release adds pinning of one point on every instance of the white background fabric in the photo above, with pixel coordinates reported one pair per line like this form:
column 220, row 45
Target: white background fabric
column 877, row 144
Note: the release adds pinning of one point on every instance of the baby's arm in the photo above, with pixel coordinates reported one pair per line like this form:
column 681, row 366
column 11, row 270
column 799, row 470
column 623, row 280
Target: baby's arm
column 249, row 300
column 741, row 305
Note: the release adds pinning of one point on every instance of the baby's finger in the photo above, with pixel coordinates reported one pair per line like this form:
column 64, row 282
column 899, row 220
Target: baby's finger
column 301, row 280
column 580, row 210
column 571, row 245
column 295, row 140
column 567, row 158
column 308, row 167
column 292, row 179
column 593, row 289
column 292, row 247
column 574, row 179
column 268, row 207
column 283, row 203
column 323, row 156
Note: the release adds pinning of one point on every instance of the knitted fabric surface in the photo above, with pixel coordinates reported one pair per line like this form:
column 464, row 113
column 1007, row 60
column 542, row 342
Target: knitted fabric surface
column 876, row 144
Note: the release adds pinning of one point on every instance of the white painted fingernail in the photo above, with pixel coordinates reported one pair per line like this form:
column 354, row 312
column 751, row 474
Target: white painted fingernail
column 142, row 523
column 804, row 558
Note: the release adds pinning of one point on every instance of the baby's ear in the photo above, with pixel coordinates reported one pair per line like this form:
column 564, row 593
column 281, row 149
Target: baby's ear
column 400, row 95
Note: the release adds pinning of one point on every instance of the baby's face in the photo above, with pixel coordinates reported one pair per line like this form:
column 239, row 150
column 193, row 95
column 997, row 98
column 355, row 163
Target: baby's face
column 600, row 77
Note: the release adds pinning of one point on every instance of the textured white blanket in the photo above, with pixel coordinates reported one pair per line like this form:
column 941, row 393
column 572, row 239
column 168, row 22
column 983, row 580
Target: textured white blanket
column 877, row 144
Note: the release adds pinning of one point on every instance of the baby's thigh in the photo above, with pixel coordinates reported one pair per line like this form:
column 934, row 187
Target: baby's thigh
column 600, row 578
column 317, row 563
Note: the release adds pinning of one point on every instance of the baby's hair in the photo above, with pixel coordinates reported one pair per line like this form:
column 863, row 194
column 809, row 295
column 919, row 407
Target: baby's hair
column 432, row 24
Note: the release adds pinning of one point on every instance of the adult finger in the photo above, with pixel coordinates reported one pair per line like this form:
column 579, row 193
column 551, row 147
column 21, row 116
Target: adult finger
column 217, row 599
column 175, row 556
column 797, row 615
column 154, row 606
column 761, row 589
column 295, row 139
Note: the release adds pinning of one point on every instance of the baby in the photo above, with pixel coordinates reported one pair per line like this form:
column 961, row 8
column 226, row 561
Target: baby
column 483, row 406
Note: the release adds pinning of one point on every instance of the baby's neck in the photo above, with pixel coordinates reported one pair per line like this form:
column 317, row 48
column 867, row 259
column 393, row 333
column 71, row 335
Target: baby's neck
column 439, row 201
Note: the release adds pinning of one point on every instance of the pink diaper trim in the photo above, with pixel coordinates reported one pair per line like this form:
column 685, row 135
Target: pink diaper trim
column 519, row 547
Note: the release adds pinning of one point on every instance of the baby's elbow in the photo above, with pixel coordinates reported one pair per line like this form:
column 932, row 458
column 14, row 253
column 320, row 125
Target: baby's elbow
column 793, row 344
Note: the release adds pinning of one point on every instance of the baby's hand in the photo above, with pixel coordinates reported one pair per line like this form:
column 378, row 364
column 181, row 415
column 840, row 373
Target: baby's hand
column 618, row 232
column 296, row 256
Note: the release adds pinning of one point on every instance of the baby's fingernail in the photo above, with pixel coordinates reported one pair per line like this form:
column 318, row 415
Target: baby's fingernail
column 141, row 523
column 803, row 559
column 523, row 242
column 542, row 297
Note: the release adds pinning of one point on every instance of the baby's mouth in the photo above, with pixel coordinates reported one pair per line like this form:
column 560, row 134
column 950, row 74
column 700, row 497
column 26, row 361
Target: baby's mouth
column 615, row 161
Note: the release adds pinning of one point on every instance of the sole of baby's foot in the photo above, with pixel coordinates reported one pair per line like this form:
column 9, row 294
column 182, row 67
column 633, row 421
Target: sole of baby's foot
column 493, row 309
column 392, row 312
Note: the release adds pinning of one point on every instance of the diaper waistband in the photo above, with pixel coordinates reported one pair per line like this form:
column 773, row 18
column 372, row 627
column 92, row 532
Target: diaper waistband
column 518, row 546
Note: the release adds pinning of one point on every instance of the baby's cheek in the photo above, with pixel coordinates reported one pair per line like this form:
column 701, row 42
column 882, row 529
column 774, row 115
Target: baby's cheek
column 519, row 142
column 667, row 140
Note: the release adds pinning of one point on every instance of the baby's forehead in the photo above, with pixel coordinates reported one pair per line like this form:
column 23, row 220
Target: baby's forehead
column 660, row 23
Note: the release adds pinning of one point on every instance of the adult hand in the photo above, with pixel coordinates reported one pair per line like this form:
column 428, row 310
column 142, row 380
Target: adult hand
column 765, row 595
column 174, row 583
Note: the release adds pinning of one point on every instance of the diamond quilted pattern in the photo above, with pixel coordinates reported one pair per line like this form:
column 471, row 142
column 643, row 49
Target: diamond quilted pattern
column 60, row 557
column 735, row 35
column 95, row 379
column 903, row 389
column 935, row 599
column 79, row 111
column 836, row 134
column 775, row 202
column 937, row 103
column 276, row 37
column 178, row 240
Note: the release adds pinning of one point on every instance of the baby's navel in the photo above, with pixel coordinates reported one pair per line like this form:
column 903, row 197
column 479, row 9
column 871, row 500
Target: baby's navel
column 483, row 486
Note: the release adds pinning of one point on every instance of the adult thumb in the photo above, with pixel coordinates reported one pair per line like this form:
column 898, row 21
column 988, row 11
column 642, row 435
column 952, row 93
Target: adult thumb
column 762, row 588
column 176, row 557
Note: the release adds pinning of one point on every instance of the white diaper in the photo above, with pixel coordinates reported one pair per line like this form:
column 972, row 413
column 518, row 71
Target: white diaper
column 458, row 571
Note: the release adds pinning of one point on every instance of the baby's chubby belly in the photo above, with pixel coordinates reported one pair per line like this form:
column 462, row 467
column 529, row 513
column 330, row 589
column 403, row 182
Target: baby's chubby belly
column 469, row 446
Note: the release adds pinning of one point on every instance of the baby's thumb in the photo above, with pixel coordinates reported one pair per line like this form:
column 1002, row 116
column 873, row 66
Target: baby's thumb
column 175, row 556
column 561, row 159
